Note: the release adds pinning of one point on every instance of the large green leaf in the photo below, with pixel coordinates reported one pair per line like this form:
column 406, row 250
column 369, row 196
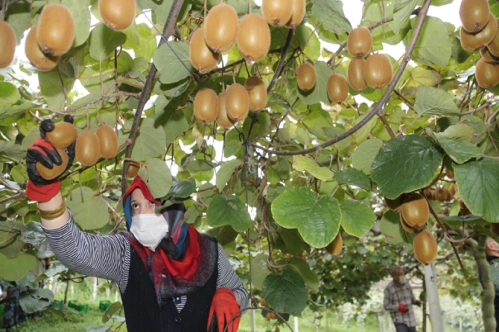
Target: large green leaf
column 36, row 299
column 458, row 150
column 89, row 209
column 356, row 218
column 479, row 188
column 141, row 40
column 317, row 218
column 10, row 151
column 353, row 177
column 433, row 101
column 12, row 269
column 103, row 41
column 311, row 279
column 285, row 292
column 404, row 164
column 81, row 17
column 228, row 211
column 150, row 141
column 433, row 46
column 330, row 14
column 225, row 172
column 8, row 94
column 458, row 131
column 182, row 188
column 319, row 92
column 173, row 62
column 157, row 176
column 305, row 163
column 364, row 154
column 259, row 270
column 402, row 12
column 52, row 88
column 19, row 17
column 160, row 7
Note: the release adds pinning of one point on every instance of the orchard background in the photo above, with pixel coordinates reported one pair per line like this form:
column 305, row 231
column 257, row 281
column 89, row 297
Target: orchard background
column 279, row 186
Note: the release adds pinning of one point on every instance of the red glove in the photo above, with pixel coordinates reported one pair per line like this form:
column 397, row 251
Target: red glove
column 224, row 306
column 403, row 309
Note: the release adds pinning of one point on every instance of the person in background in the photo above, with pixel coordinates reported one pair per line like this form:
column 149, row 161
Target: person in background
column 13, row 314
column 399, row 300
column 491, row 253
column 171, row 277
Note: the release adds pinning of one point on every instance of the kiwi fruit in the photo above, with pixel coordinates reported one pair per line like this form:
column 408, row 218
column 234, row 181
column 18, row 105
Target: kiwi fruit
column 277, row 12
column 237, row 102
column 337, row 88
column 42, row 62
column 117, row 14
column 335, row 247
column 257, row 92
column 222, row 119
column 378, row 71
column 56, row 170
column 206, row 105
column 132, row 169
column 55, row 32
column 253, row 37
column 7, row 44
column 394, row 204
column 486, row 74
column 298, row 9
column 220, row 28
column 415, row 210
column 306, row 76
column 108, row 141
column 428, row 193
column 440, row 194
column 474, row 14
column 475, row 41
column 359, row 42
column 487, row 56
column 201, row 56
column 63, row 135
column 355, row 74
column 406, row 226
column 87, row 149
column 425, row 247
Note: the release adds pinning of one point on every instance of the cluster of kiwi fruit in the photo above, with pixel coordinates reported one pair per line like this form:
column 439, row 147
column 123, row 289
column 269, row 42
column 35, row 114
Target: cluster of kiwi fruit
column 232, row 105
column 375, row 72
column 222, row 29
column 53, row 35
column 89, row 146
column 479, row 32
column 414, row 213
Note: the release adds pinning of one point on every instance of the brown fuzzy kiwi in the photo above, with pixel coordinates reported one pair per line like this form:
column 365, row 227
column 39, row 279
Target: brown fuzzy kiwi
column 337, row 88
column 378, row 71
column 117, row 14
column 237, row 102
column 277, row 12
column 7, row 44
column 487, row 56
column 36, row 57
column 486, row 74
column 298, row 9
column 425, row 247
column 55, row 32
column 306, row 76
column 440, row 194
column 220, row 27
column 355, row 74
column 206, row 105
column 87, row 149
column 415, row 210
column 132, row 169
column 222, row 119
column 108, row 141
column 406, row 226
column 257, row 92
column 63, row 135
column 493, row 46
column 359, row 42
column 475, row 41
column 474, row 14
column 201, row 56
column 56, row 170
column 335, row 247
column 253, row 37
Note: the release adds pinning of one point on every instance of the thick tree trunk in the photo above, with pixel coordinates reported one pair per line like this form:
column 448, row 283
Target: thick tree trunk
column 436, row 318
column 489, row 321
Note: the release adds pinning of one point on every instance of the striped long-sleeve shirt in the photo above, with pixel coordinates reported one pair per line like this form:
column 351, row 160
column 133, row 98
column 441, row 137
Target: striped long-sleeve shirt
column 108, row 257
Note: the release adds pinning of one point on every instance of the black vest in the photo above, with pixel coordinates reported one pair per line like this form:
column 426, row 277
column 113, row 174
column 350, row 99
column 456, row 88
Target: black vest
column 143, row 314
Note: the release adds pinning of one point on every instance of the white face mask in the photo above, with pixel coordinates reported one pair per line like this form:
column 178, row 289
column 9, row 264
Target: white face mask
column 402, row 280
column 149, row 229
